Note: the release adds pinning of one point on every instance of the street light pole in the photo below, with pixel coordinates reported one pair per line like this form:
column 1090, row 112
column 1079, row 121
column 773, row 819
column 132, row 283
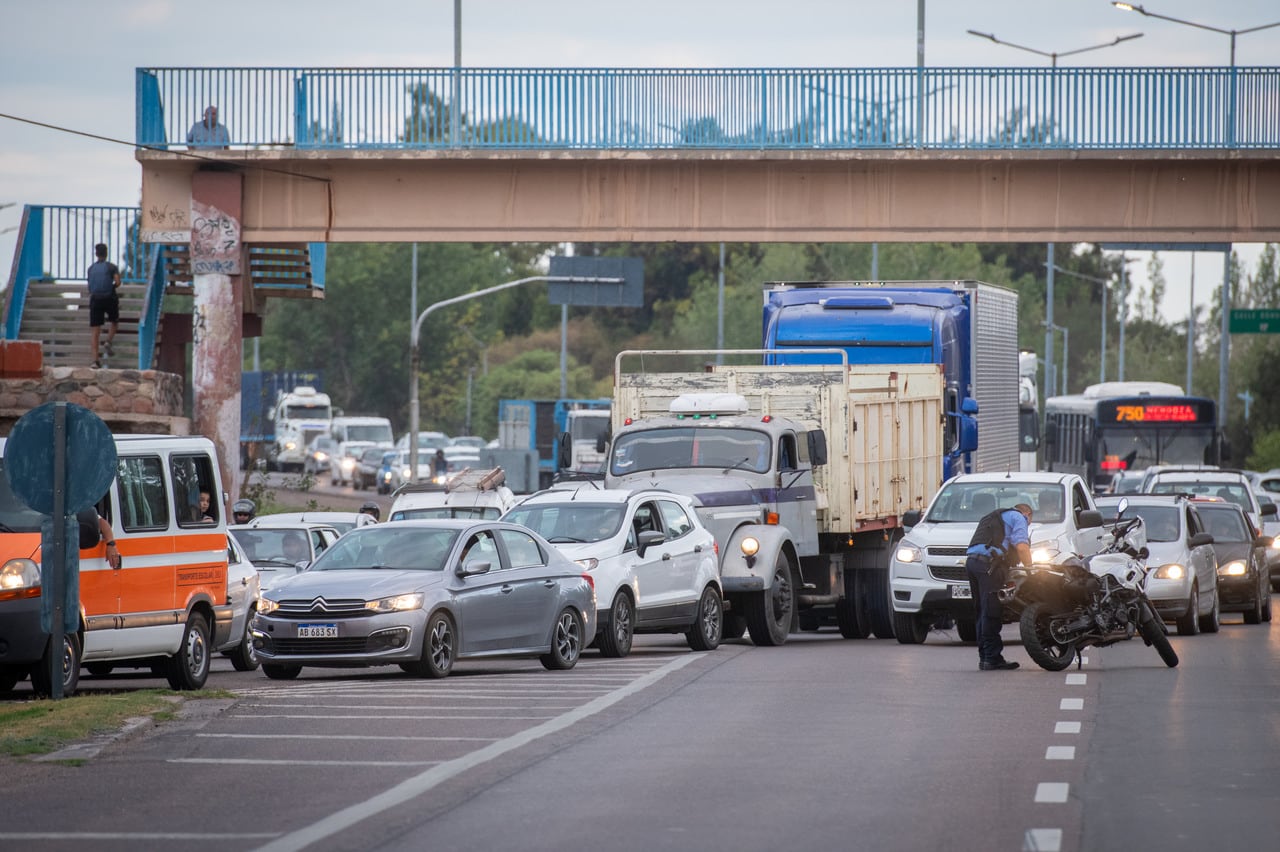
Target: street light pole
column 465, row 297
column 1053, row 55
column 1129, row 7
column 1049, row 373
column 1102, row 349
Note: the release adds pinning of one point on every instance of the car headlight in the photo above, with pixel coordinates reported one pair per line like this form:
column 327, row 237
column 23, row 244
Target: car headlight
column 406, row 473
column 321, row 456
column 266, row 605
column 1235, row 568
column 1275, row 543
column 19, row 575
column 1172, row 571
column 398, row 603
column 750, row 546
column 1044, row 551
column 588, row 564
column 290, row 445
column 348, row 463
column 908, row 553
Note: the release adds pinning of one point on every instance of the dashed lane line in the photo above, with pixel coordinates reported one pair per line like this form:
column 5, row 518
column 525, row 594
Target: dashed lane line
column 1066, row 728
column 1071, row 704
column 1042, row 840
column 1052, row 792
column 1060, row 753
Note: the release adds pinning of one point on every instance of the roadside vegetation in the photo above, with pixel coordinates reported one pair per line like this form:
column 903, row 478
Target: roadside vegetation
column 42, row 726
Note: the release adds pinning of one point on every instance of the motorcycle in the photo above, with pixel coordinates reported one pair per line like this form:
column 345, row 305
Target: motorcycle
column 1068, row 605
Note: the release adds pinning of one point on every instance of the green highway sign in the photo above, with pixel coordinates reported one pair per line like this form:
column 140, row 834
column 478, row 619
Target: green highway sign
column 1255, row 321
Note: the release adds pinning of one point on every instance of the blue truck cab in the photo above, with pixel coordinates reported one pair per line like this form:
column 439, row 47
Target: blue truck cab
column 968, row 327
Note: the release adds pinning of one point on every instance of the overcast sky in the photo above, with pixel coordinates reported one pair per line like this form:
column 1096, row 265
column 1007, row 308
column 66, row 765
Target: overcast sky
column 71, row 62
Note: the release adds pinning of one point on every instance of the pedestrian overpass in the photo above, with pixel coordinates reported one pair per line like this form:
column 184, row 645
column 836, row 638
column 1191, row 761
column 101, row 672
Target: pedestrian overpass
column 776, row 155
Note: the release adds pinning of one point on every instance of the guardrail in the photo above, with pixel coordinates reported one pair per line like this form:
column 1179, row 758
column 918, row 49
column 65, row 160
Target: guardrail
column 653, row 109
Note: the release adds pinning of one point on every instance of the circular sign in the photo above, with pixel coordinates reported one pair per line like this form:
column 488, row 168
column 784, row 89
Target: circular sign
column 90, row 458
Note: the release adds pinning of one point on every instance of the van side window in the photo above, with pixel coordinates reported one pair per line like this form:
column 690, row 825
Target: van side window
column 192, row 476
column 144, row 505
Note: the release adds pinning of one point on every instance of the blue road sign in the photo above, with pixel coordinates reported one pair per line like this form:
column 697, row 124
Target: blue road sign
column 91, row 458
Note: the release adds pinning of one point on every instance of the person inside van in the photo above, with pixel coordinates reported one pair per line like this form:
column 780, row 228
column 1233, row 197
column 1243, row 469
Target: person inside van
column 202, row 511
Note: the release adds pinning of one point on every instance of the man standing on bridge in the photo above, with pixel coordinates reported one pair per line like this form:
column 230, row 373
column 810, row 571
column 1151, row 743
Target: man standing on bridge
column 104, row 304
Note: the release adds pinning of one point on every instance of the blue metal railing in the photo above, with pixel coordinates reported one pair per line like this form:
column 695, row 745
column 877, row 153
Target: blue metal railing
column 651, row 109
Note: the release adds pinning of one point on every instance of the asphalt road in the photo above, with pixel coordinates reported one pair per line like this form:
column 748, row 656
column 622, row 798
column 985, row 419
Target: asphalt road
column 820, row 743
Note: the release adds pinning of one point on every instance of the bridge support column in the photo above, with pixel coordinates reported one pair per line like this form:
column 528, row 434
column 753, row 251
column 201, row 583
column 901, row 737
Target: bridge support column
column 217, row 263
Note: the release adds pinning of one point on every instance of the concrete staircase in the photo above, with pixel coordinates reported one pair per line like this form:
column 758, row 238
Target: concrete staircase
column 56, row 313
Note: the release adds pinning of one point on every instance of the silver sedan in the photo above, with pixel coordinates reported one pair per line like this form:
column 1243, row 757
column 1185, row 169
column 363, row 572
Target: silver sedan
column 424, row 594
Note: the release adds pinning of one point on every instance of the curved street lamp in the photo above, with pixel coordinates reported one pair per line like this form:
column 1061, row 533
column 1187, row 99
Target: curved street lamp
column 1053, row 56
column 1130, row 7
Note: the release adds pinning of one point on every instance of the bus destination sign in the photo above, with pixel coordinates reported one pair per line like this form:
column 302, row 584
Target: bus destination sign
column 1156, row 413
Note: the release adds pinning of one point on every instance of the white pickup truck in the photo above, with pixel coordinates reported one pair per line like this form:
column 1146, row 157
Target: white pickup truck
column 927, row 579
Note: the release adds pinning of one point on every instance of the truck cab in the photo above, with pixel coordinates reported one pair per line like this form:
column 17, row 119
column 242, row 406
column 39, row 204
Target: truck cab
column 300, row 416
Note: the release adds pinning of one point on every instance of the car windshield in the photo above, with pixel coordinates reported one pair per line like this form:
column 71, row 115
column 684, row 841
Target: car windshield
column 1232, row 492
column 569, row 523
column 1161, row 521
column 388, row 546
column 267, row 546
column 967, row 502
column 485, row 513
column 14, row 514
column 377, row 433
column 691, row 446
column 1224, row 523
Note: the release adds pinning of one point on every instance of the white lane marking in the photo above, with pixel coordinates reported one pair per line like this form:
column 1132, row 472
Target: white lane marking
column 260, row 762
column 381, row 716
column 422, row 783
column 1071, row 704
column 1042, row 840
column 1067, row 728
column 1060, row 753
column 433, row 708
column 129, row 835
column 347, row 737
column 1076, row 679
column 1051, row 792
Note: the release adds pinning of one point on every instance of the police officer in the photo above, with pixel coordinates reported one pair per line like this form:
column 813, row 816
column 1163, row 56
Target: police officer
column 1002, row 539
column 244, row 511
column 371, row 508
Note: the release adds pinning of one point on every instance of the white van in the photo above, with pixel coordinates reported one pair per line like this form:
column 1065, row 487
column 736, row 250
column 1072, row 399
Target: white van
column 168, row 605
column 354, row 434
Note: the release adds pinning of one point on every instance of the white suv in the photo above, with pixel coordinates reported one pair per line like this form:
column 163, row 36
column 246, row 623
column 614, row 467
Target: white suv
column 653, row 563
column 927, row 578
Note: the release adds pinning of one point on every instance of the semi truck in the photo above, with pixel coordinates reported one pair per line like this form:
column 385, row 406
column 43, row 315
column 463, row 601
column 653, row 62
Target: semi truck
column 802, row 472
column 564, row 433
column 968, row 328
column 281, row 411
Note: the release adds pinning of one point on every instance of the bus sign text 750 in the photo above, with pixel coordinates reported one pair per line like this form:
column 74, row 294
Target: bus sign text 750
column 1156, row 413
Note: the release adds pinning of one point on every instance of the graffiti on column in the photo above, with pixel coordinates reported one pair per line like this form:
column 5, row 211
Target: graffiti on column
column 215, row 241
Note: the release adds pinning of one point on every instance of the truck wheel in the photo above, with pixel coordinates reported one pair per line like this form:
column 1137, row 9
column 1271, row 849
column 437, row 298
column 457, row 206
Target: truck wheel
column 851, row 610
column 41, row 679
column 967, row 629
column 734, row 626
column 189, row 668
column 769, row 612
column 704, row 635
column 910, row 628
column 878, row 607
column 615, row 638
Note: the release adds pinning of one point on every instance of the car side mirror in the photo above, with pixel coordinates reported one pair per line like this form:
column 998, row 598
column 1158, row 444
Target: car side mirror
column 470, row 569
column 1269, row 510
column 1143, row 552
column 911, row 517
column 648, row 539
column 1088, row 518
column 969, row 405
column 564, row 454
column 1200, row 539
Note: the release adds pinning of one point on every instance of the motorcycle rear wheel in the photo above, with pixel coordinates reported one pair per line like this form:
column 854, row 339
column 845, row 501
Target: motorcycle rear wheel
column 1041, row 647
column 1153, row 633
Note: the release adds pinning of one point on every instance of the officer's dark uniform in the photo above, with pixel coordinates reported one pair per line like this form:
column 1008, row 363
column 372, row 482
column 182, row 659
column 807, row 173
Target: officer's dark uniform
column 988, row 552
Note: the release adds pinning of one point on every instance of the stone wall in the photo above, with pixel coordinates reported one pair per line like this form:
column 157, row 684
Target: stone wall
column 129, row 401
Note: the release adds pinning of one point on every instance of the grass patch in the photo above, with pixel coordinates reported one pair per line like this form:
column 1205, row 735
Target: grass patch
column 41, row 726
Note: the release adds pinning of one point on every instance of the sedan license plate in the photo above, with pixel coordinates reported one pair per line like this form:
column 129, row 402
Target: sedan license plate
column 962, row 592
column 317, row 631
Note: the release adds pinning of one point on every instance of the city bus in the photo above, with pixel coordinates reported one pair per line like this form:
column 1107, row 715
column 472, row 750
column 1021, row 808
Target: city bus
column 1115, row 427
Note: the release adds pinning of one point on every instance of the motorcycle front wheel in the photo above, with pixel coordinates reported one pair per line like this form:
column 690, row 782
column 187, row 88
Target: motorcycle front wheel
column 1153, row 633
column 1041, row 646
